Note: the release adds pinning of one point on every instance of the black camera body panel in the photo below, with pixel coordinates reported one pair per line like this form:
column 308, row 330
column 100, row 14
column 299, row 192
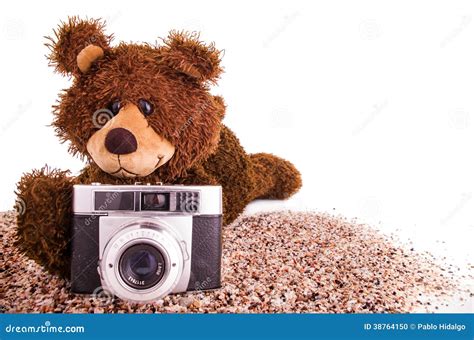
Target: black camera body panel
column 206, row 253
column 85, row 276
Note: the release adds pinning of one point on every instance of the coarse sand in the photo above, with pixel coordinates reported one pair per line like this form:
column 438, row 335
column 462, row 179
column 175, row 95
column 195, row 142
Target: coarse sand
column 272, row 262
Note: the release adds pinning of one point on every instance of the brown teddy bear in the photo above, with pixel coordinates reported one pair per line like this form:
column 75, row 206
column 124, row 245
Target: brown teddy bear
column 139, row 112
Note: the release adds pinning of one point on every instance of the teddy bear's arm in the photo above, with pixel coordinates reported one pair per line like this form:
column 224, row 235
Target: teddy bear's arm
column 245, row 177
column 197, row 175
column 44, row 217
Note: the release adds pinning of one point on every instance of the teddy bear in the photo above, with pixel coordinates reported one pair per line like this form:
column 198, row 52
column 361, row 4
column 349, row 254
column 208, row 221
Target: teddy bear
column 138, row 113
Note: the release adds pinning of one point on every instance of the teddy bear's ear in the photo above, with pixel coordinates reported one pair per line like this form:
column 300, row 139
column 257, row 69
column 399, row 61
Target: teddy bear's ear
column 77, row 44
column 184, row 52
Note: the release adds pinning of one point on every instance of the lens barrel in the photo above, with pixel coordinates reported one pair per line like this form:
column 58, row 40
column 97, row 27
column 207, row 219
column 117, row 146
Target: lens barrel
column 143, row 261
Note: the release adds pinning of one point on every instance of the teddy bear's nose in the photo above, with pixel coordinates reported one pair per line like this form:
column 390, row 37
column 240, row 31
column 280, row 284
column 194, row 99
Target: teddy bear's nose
column 120, row 141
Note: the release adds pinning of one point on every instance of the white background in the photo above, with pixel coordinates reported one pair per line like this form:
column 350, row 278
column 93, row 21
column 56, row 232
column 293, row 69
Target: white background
column 371, row 100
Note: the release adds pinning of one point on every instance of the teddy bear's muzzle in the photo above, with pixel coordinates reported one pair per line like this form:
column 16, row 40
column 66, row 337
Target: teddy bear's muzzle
column 127, row 146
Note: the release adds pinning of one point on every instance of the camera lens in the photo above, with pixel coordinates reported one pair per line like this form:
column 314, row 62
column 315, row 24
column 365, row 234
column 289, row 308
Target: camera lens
column 142, row 266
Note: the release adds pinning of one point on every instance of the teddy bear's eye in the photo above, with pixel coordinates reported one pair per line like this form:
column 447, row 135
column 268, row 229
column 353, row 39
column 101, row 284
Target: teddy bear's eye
column 115, row 106
column 145, row 107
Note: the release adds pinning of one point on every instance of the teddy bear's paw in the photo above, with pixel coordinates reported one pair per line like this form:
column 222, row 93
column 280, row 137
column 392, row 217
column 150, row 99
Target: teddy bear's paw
column 276, row 178
column 43, row 218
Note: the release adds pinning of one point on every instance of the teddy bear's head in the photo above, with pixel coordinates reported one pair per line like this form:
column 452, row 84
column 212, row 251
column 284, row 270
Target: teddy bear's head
column 136, row 109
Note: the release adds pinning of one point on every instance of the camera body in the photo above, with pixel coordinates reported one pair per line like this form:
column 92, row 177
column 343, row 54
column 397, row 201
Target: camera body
column 142, row 242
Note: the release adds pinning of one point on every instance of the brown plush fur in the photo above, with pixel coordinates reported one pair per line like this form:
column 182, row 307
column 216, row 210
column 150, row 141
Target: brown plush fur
column 174, row 78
